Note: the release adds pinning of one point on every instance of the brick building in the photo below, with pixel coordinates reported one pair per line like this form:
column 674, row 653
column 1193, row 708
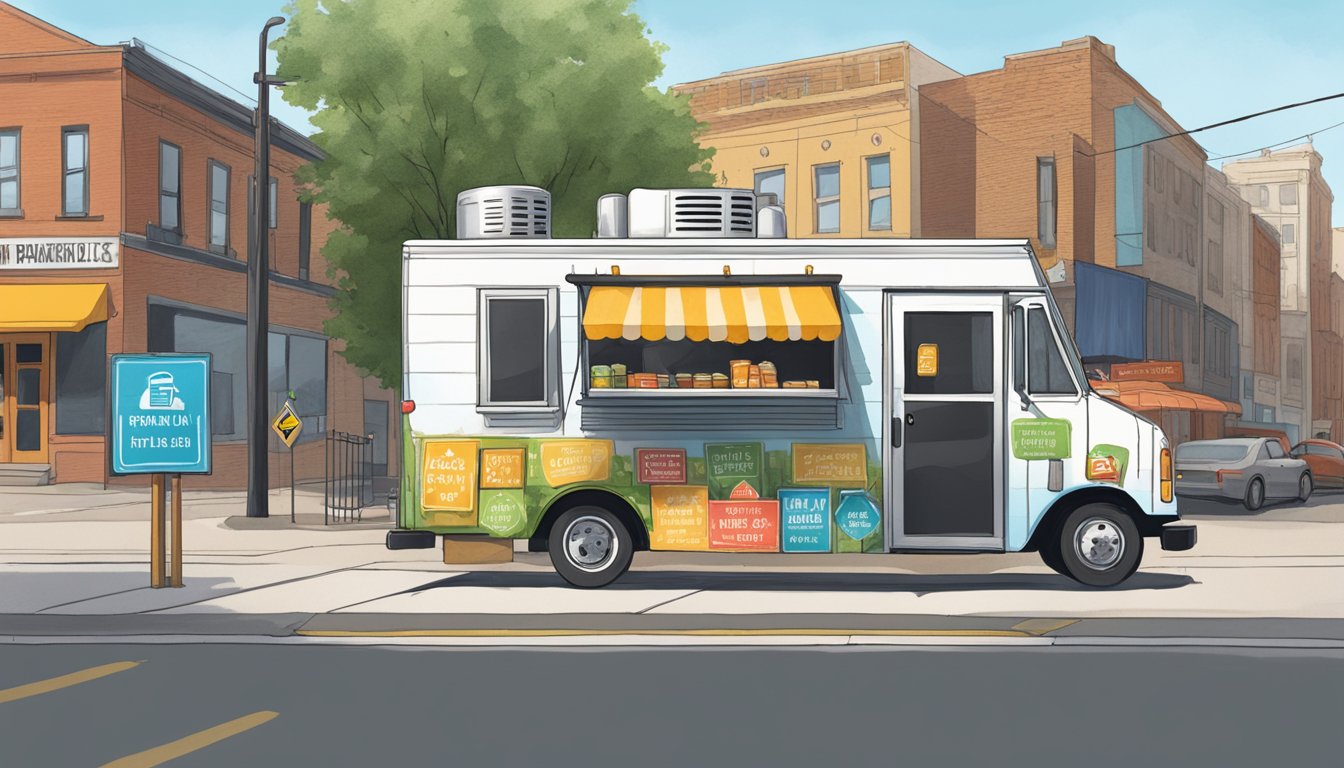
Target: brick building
column 834, row 137
column 125, row 192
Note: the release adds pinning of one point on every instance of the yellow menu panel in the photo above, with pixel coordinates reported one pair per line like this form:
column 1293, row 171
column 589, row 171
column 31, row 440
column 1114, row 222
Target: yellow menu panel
column 575, row 461
column 680, row 517
column 830, row 463
column 502, row 467
column 448, row 476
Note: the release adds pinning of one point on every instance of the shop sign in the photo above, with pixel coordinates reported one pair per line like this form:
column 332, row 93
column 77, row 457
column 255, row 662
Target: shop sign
column 448, row 476
column 502, row 467
column 805, row 519
column 680, row 517
column 1041, row 438
column 1153, row 370
column 503, row 512
column 744, row 526
column 160, row 414
column 662, row 466
column 832, row 463
column 575, row 461
column 857, row 516
column 59, row 253
column 728, row 465
column 1107, row 463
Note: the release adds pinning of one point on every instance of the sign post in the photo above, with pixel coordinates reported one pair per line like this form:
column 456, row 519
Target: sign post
column 161, row 427
column 287, row 425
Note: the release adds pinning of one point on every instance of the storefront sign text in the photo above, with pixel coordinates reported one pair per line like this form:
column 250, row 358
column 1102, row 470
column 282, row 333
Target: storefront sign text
column 664, row 466
column 833, row 463
column 575, row 461
column 1158, row 370
column 1041, row 439
column 744, row 526
column 448, row 476
column 502, row 467
column 728, row 465
column 60, row 253
column 805, row 519
column 680, row 517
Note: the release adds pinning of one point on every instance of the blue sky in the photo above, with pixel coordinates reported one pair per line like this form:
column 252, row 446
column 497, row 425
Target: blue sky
column 1204, row 61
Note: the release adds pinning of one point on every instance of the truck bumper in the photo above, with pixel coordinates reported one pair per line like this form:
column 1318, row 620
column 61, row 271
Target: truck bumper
column 1178, row 538
column 407, row 539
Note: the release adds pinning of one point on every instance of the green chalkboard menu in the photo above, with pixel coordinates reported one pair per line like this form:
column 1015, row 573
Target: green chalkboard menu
column 734, row 470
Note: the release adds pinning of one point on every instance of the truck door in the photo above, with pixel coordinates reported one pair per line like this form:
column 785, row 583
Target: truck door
column 945, row 374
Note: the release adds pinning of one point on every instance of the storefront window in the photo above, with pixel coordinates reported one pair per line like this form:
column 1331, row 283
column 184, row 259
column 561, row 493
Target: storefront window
column 81, row 381
column 308, row 381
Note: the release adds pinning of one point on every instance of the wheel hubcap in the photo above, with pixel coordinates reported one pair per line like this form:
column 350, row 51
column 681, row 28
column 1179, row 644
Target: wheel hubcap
column 590, row 543
column 1099, row 543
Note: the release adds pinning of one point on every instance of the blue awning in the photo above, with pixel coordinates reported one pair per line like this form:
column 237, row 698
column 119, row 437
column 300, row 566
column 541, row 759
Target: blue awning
column 1110, row 313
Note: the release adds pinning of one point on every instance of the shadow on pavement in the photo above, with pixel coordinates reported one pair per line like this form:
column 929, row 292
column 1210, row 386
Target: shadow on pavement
column 718, row 581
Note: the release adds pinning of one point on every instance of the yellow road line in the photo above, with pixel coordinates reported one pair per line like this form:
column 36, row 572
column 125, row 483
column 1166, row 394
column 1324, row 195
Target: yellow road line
column 188, row 744
column 64, row 681
column 661, row 632
column 1040, row 627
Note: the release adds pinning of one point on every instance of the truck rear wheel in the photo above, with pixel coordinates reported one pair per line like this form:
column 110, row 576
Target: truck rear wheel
column 590, row 547
column 1099, row 545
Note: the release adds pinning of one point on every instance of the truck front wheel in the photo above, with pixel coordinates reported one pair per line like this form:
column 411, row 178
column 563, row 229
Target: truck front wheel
column 590, row 547
column 1099, row 545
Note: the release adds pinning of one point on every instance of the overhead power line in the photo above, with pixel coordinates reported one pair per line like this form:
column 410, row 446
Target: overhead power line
column 1281, row 143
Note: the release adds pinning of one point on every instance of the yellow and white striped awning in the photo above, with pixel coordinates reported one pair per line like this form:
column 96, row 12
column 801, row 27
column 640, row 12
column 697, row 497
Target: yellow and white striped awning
column 734, row 314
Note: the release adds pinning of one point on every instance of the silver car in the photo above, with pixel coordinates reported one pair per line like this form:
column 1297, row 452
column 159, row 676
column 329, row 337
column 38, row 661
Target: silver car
column 1251, row 469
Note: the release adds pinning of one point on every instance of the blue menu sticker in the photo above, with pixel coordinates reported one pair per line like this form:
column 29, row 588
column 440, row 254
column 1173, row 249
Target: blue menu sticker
column 160, row 414
column 857, row 515
column 805, row 519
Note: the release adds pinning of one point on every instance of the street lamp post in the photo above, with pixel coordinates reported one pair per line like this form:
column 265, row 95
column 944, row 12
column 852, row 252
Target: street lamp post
column 258, row 278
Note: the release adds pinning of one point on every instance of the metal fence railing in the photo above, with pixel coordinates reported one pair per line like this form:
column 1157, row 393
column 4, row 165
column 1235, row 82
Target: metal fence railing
column 349, row 479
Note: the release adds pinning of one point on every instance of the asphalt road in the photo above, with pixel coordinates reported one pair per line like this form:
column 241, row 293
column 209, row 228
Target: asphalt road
column 266, row 705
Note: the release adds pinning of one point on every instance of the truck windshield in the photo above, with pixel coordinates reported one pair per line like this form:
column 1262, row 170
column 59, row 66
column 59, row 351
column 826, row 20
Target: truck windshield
column 1211, row 452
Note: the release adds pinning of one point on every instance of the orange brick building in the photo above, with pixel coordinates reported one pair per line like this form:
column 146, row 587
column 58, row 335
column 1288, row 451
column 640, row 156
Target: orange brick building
column 125, row 194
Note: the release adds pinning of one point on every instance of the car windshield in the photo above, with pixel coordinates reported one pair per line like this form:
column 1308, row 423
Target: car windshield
column 1211, row 452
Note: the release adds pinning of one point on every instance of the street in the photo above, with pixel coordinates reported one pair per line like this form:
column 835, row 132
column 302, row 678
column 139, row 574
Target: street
column 343, row 706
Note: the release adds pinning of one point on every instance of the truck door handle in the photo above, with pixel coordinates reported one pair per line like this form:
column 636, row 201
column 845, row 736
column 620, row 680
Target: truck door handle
column 896, row 431
column 910, row 418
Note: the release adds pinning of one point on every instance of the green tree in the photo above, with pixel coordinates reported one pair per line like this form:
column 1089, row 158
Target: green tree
column 417, row 100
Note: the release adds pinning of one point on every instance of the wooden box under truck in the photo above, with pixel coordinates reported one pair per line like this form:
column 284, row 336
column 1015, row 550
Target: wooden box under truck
column 691, row 380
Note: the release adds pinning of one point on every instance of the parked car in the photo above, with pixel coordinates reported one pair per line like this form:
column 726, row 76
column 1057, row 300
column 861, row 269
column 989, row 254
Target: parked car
column 1326, row 460
column 1278, row 434
column 1252, row 469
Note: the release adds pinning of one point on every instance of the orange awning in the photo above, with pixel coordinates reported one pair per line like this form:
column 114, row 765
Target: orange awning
column 733, row 313
column 45, row 308
column 1156, row 396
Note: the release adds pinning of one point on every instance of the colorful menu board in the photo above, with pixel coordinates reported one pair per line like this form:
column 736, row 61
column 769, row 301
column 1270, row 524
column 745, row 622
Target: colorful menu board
column 830, row 463
column 805, row 519
column 502, row 467
column 729, row 465
column 448, row 476
column 744, row 526
column 1041, row 438
column 680, row 517
column 575, row 461
column 503, row 512
column 660, row 466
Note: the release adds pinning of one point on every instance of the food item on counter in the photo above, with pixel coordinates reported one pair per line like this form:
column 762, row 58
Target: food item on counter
column 618, row 377
column 720, row 380
column 813, row 384
column 769, row 378
column 704, row 381
column 754, row 377
column 795, row 385
column 643, row 380
column 600, row 377
column 741, row 371
column 664, row 381
column 685, row 380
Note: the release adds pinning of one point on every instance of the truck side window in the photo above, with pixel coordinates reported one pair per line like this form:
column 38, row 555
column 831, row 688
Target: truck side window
column 517, row 348
column 1048, row 374
column 1019, row 347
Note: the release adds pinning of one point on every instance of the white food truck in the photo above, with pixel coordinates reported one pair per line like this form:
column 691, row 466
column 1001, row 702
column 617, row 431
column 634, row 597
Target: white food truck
column 689, row 379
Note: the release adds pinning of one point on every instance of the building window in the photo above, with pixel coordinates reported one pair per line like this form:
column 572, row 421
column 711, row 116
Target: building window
column 879, row 193
column 274, row 194
column 81, row 381
column 1045, row 201
column 771, row 182
column 1287, row 194
column 518, row 349
column 753, row 91
column 170, row 187
column 305, row 238
column 9, row 173
column 75, row 167
column 1295, row 364
column 826, row 193
column 1289, row 234
column 1215, row 267
column 1262, row 196
column 219, row 207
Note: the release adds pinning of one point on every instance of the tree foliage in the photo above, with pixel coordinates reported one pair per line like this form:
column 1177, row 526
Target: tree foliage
column 417, row 100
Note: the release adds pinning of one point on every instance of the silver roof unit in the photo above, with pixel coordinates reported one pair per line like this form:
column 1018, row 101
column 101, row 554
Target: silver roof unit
column 692, row 213
column 503, row 212
column 612, row 216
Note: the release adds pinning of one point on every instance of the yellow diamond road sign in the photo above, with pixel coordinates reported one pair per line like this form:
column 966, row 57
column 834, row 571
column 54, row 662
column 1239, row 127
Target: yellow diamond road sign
column 287, row 425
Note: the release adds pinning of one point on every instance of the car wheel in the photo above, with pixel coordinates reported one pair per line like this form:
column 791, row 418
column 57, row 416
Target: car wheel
column 1099, row 545
column 590, row 547
column 1255, row 495
column 1304, row 487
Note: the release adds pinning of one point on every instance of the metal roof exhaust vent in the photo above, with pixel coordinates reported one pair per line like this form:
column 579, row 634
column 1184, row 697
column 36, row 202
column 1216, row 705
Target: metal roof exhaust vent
column 612, row 216
column 692, row 213
column 486, row 213
column 770, row 222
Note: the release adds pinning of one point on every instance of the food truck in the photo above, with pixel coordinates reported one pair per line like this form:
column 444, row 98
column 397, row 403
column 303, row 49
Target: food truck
column 692, row 380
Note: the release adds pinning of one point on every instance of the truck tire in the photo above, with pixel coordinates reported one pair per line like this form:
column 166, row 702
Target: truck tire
column 1050, row 556
column 1255, row 494
column 1100, row 545
column 590, row 547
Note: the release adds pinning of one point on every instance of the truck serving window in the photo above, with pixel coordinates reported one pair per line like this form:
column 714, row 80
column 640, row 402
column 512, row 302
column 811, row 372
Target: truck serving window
column 517, row 349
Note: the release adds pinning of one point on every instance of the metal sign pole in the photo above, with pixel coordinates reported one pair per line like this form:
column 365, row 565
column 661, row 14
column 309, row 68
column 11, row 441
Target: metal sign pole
column 291, row 484
column 156, row 531
column 177, row 530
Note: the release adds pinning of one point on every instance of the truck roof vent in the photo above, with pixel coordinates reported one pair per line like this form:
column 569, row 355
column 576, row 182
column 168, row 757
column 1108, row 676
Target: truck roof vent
column 692, row 213
column 497, row 212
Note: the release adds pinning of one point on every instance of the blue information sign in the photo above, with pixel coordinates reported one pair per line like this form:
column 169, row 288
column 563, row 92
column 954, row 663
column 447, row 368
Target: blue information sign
column 805, row 519
column 857, row 515
column 160, row 414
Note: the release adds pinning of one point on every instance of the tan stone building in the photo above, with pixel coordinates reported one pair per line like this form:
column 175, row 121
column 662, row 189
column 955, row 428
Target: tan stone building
column 834, row 137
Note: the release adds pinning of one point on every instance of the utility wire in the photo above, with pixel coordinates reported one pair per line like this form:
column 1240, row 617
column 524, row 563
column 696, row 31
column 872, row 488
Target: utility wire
column 161, row 52
column 1281, row 143
column 1222, row 123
